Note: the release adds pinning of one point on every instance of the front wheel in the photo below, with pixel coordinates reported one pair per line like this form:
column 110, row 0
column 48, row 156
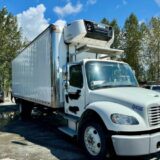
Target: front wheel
column 94, row 140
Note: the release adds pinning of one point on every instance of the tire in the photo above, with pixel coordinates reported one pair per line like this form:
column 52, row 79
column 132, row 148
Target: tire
column 1, row 100
column 94, row 140
column 25, row 110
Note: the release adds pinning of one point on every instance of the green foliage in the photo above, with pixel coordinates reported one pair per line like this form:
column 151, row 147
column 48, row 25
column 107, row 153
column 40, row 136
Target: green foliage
column 132, row 43
column 10, row 43
column 105, row 21
column 144, row 52
column 154, row 48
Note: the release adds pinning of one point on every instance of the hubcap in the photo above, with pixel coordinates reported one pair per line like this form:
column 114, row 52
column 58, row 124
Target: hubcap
column 92, row 140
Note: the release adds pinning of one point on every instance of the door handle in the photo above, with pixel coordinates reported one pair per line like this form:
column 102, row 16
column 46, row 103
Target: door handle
column 74, row 95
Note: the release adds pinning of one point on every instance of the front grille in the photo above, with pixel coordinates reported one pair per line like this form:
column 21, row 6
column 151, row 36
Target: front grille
column 154, row 115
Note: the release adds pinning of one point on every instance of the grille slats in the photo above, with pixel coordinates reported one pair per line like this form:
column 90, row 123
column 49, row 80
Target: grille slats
column 154, row 111
column 155, row 121
column 154, row 115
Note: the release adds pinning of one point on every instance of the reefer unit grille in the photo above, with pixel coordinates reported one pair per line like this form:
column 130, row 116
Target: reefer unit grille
column 154, row 115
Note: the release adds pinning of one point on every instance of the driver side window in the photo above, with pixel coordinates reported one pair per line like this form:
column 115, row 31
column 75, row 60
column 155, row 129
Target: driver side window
column 76, row 76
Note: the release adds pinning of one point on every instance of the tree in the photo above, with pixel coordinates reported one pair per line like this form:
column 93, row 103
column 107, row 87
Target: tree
column 132, row 44
column 144, row 58
column 154, row 49
column 105, row 21
column 10, row 43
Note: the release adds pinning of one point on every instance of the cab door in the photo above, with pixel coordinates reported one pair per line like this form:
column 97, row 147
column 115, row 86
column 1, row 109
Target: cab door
column 75, row 91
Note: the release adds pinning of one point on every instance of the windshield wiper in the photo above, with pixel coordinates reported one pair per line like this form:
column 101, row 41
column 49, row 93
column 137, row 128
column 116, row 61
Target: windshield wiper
column 102, row 86
column 110, row 86
column 129, row 85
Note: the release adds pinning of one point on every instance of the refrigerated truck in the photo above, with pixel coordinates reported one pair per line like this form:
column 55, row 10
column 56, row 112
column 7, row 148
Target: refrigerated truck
column 68, row 70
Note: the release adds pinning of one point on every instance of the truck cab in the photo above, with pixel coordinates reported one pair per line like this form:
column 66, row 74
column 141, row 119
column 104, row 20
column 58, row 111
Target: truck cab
column 89, row 76
column 106, row 93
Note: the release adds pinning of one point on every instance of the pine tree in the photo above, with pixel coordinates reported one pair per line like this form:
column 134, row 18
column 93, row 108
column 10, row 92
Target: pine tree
column 132, row 43
column 105, row 21
column 144, row 58
column 10, row 43
column 154, row 49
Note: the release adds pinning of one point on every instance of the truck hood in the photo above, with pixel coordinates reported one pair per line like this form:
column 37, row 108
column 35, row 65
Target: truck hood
column 127, row 95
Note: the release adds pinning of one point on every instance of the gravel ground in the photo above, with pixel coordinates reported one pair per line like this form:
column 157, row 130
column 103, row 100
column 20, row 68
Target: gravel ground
column 38, row 139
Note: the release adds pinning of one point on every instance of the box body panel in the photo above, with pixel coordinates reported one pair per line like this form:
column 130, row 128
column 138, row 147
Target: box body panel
column 31, row 71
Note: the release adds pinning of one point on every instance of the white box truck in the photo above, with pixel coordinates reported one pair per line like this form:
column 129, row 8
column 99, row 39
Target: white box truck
column 65, row 69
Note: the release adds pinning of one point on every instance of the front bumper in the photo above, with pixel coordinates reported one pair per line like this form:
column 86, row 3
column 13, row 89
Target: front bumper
column 136, row 145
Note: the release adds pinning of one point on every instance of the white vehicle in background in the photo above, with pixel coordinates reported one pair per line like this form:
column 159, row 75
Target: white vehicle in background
column 66, row 70
column 155, row 87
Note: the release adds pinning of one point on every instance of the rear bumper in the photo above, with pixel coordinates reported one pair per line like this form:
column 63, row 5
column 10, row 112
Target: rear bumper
column 136, row 145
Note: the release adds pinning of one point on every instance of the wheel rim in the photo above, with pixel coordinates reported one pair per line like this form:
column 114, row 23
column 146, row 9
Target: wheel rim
column 92, row 140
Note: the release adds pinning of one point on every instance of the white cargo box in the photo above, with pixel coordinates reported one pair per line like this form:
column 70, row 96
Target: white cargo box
column 35, row 71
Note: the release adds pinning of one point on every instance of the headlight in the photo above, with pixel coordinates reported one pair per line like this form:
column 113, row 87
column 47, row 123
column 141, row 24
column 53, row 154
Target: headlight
column 123, row 119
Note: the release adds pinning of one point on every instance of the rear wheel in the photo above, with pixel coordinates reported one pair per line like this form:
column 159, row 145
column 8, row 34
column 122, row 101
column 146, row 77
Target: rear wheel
column 25, row 110
column 94, row 140
column 2, row 100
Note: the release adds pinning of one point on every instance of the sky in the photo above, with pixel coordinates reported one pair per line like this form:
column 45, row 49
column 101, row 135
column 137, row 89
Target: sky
column 35, row 15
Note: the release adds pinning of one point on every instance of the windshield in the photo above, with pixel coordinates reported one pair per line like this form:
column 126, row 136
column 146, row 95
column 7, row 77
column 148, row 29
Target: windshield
column 109, row 74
